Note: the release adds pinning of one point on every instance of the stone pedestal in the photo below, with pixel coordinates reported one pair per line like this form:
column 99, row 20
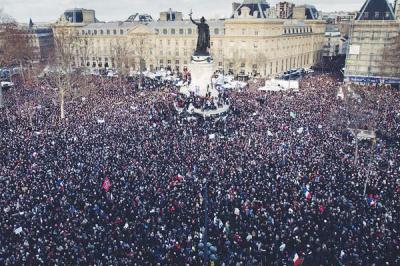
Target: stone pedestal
column 201, row 70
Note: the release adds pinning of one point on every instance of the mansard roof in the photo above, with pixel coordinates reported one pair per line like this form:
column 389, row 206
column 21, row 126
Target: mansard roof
column 259, row 6
column 376, row 10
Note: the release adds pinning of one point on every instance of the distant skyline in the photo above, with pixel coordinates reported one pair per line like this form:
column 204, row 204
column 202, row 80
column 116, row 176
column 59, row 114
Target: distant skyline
column 108, row 10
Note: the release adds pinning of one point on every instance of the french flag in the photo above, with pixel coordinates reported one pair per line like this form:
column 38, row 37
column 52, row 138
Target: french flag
column 106, row 184
column 307, row 194
column 371, row 200
column 297, row 261
column 60, row 184
column 176, row 180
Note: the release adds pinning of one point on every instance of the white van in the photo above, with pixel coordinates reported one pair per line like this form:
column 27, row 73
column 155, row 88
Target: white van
column 6, row 84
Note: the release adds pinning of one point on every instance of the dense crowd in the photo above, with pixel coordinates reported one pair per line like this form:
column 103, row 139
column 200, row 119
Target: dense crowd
column 122, row 179
column 208, row 102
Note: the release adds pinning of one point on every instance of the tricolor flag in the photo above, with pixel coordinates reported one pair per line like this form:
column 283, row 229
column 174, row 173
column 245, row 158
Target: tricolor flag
column 106, row 184
column 372, row 200
column 307, row 193
column 176, row 180
column 297, row 261
column 60, row 184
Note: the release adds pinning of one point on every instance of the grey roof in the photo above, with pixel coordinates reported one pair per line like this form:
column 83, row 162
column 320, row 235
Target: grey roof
column 311, row 12
column 143, row 18
column 183, row 24
column 376, row 10
column 254, row 2
column 111, row 25
column 259, row 6
column 294, row 23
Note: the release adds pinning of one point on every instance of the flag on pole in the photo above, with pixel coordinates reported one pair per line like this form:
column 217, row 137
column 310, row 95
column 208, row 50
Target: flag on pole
column 106, row 184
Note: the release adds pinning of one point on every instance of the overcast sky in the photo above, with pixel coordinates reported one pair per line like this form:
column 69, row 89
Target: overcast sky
column 50, row 10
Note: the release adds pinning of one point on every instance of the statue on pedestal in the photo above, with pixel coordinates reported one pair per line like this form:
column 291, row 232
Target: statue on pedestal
column 203, row 39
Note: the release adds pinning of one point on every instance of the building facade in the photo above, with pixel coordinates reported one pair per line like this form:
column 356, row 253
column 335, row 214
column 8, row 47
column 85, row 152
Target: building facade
column 284, row 9
column 335, row 43
column 372, row 33
column 397, row 9
column 247, row 43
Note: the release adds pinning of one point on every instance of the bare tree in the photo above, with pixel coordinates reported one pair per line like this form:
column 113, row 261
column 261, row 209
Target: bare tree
column 120, row 54
column 61, row 71
column 15, row 47
column 140, row 48
column 84, row 50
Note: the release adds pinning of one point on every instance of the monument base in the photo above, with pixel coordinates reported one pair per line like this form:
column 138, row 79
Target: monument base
column 201, row 70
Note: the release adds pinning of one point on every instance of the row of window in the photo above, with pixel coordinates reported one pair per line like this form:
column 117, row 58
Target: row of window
column 181, row 31
column 189, row 31
column 297, row 30
column 377, row 15
column 103, row 32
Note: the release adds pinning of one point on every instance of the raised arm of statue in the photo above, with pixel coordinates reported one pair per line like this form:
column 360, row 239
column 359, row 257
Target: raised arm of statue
column 194, row 22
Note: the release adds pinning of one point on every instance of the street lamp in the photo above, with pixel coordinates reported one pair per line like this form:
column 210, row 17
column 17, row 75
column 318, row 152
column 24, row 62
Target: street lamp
column 207, row 250
column 1, row 96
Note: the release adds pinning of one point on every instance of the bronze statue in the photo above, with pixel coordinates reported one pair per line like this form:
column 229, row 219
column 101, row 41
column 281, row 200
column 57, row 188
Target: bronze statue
column 203, row 38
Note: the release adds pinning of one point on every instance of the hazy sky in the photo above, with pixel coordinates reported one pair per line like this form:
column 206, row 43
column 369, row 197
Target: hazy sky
column 50, row 10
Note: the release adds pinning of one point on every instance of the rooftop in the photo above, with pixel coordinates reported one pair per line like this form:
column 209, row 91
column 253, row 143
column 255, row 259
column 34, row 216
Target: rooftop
column 376, row 10
column 259, row 7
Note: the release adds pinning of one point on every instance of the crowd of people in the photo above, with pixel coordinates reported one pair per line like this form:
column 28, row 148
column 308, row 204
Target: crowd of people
column 204, row 103
column 122, row 180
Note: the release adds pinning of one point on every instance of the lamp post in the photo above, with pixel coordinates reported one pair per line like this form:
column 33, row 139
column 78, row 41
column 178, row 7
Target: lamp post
column 1, row 97
column 207, row 250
